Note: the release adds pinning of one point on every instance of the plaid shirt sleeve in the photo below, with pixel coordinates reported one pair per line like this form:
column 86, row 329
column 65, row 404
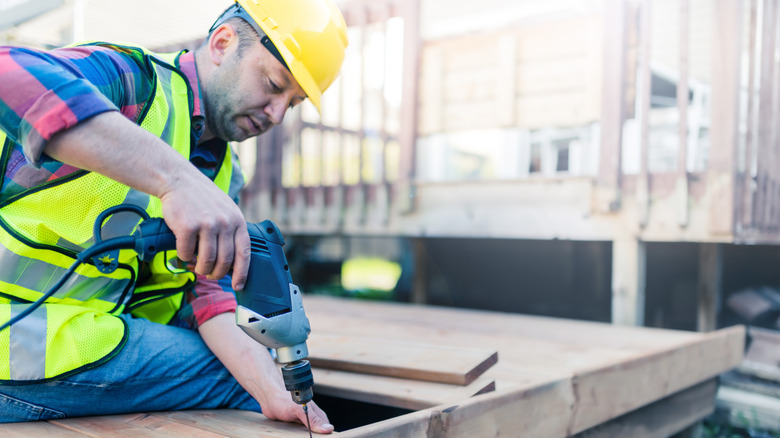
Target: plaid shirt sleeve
column 208, row 299
column 44, row 92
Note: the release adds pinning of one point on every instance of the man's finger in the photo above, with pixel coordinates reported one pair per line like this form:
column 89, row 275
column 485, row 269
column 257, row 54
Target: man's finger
column 207, row 253
column 319, row 421
column 185, row 245
column 225, row 253
column 241, row 258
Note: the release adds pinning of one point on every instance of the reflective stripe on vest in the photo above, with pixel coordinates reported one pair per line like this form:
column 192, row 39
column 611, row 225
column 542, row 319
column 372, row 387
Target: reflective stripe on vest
column 28, row 344
column 42, row 228
column 34, row 348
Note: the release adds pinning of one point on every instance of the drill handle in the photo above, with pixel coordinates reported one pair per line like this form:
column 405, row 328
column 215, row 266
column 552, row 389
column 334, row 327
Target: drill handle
column 151, row 237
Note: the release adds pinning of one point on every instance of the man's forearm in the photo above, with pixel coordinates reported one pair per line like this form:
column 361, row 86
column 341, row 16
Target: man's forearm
column 254, row 369
column 196, row 210
column 112, row 145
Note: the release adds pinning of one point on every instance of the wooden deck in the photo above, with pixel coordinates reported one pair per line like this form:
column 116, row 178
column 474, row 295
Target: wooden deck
column 553, row 378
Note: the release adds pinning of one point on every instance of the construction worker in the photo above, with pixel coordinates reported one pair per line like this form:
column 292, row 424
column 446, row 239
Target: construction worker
column 90, row 126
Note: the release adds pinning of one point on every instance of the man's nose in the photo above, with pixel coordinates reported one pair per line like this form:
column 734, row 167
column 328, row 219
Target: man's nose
column 276, row 110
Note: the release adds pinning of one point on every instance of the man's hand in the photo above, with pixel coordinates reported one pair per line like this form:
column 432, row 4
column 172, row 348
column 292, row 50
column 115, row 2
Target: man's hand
column 249, row 362
column 203, row 218
column 282, row 408
column 207, row 222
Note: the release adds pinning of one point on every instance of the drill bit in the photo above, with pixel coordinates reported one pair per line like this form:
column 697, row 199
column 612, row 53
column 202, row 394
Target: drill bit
column 308, row 423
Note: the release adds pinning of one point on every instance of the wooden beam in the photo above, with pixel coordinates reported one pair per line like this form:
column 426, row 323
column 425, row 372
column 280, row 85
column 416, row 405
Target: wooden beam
column 417, row 361
column 542, row 412
column 600, row 390
column 663, row 418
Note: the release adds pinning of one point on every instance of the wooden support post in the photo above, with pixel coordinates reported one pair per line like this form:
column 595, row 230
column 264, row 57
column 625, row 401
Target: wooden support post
column 724, row 131
column 682, row 107
column 628, row 281
column 710, row 268
column 419, row 286
column 407, row 137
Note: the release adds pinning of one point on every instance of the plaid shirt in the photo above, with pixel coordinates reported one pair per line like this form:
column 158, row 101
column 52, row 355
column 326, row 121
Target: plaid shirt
column 45, row 92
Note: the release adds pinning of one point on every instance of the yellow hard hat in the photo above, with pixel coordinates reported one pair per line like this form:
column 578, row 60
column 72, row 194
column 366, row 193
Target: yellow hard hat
column 309, row 37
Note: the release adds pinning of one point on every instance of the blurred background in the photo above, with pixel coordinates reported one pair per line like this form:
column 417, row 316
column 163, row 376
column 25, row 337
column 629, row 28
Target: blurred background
column 607, row 160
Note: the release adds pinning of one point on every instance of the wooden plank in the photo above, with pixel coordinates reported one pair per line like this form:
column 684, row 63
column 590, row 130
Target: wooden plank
column 36, row 429
column 433, row 363
column 234, row 423
column 663, row 418
column 131, row 426
column 395, row 392
column 427, row 323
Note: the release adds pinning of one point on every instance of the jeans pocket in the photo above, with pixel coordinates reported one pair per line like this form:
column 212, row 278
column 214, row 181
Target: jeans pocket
column 14, row 410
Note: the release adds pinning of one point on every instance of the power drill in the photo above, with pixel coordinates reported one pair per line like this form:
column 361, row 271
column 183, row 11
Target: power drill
column 270, row 309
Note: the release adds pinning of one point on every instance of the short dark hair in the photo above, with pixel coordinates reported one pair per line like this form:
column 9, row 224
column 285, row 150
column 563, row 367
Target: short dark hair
column 247, row 35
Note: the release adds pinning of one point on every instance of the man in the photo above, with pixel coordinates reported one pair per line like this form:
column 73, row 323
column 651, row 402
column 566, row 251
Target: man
column 91, row 126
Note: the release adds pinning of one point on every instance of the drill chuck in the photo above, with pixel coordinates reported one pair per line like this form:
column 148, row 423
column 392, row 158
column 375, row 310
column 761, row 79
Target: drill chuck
column 299, row 381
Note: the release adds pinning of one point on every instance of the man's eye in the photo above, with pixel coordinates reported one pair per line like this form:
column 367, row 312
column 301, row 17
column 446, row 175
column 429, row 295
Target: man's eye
column 275, row 88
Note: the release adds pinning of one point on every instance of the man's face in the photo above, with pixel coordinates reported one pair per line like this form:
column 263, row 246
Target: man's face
column 247, row 95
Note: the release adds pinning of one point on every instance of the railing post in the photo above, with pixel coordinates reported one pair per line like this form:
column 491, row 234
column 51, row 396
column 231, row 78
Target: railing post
column 727, row 44
column 612, row 106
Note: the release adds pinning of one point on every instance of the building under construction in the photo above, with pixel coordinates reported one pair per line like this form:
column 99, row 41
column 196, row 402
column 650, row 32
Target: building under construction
column 612, row 161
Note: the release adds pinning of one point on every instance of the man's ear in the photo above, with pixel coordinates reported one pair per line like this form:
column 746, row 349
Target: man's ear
column 221, row 42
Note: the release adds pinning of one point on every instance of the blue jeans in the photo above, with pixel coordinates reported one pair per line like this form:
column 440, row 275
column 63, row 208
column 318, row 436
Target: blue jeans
column 160, row 368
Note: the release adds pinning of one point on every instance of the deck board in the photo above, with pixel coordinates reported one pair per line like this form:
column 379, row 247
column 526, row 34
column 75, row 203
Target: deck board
column 404, row 359
column 554, row 377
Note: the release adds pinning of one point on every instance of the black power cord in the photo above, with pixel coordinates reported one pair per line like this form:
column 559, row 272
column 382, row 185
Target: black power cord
column 103, row 246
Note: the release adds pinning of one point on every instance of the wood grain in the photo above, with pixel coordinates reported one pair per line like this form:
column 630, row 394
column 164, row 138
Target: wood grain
column 408, row 360
column 36, row 429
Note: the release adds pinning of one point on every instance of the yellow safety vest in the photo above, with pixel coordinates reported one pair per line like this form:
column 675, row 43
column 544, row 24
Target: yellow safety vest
column 43, row 228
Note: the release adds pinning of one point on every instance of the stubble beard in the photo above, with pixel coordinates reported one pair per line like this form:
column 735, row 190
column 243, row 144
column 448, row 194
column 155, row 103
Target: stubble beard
column 220, row 100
